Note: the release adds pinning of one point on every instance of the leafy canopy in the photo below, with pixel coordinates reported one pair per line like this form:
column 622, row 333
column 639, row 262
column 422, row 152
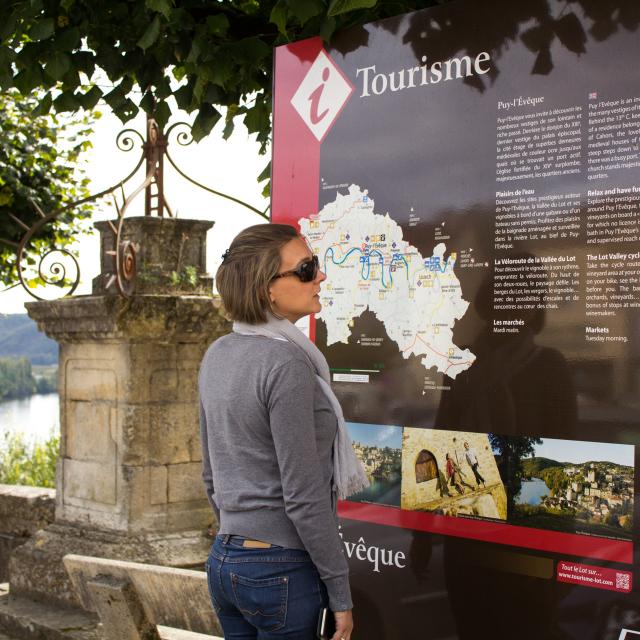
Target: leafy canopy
column 205, row 54
column 40, row 162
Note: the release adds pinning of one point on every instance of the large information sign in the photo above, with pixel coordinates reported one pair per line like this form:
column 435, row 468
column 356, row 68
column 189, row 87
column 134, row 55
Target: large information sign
column 469, row 177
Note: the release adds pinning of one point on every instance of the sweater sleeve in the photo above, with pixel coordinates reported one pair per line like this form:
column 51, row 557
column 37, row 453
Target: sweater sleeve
column 207, row 470
column 307, row 497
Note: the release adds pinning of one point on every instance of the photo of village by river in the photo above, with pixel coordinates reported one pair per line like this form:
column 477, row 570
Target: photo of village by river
column 575, row 487
column 379, row 447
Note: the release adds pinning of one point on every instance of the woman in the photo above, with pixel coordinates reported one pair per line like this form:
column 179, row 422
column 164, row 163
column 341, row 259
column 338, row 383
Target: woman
column 275, row 451
column 453, row 473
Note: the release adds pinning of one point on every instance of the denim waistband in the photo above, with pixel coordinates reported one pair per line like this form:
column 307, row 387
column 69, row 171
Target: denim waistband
column 228, row 538
column 229, row 547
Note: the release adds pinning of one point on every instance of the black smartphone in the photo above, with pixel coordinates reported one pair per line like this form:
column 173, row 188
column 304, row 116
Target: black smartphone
column 326, row 624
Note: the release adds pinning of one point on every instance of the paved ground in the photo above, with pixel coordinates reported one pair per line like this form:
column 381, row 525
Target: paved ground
column 4, row 588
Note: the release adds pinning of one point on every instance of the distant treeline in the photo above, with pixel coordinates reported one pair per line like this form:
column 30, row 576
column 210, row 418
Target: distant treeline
column 533, row 467
column 17, row 379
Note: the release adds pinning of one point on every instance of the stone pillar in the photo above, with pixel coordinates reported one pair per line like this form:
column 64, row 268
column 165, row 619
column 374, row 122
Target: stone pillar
column 129, row 481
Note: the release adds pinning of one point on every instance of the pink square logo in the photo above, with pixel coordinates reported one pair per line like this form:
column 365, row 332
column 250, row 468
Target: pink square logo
column 321, row 96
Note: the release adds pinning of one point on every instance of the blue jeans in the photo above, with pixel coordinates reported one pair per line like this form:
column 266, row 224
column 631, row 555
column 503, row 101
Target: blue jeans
column 261, row 594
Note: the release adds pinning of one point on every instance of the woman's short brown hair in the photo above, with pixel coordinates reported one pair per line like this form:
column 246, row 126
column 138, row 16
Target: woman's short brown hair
column 251, row 263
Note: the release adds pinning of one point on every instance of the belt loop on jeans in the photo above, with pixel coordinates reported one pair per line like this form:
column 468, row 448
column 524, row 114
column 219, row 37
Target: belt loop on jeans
column 225, row 538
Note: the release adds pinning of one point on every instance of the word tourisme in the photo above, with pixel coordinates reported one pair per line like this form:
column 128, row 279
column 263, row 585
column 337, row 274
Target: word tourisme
column 441, row 71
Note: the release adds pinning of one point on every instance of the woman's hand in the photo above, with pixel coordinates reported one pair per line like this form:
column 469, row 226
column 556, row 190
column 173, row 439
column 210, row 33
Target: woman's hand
column 344, row 625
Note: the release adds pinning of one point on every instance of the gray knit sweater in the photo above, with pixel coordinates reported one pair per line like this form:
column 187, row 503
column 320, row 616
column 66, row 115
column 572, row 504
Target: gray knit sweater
column 267, row 432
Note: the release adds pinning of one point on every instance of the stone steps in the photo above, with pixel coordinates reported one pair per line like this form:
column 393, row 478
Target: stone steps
column 29, row 620
column 24, row 619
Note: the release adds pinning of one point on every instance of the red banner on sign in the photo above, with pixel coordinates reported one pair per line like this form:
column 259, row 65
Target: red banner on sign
column 487, row 531
column 597, row 577
column 296, row 161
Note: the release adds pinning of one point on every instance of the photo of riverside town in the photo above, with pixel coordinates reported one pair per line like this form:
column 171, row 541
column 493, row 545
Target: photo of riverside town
column 379, row 447
column 572, row 486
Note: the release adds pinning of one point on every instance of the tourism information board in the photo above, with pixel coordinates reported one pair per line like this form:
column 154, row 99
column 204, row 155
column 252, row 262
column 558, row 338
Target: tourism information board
column 469, row 178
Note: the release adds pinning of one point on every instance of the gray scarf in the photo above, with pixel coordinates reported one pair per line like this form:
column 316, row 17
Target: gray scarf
column 349, row 476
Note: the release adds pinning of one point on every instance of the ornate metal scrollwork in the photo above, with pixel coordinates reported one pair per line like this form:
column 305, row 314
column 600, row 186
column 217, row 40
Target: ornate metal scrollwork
column 184, row 139
column 126, row 267
column 50, row 270
column 64, row 271
column 57, row 271
column 124, row 140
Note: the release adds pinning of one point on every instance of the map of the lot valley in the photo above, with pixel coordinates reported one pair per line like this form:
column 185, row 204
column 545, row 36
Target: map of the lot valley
column 370, row 266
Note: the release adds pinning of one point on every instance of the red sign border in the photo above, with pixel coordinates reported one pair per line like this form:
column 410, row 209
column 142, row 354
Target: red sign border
column 573, row 544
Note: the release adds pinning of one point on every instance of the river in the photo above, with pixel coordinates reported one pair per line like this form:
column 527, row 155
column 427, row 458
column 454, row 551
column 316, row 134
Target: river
column 531, row 492
column 381, row 491
column 36, row 417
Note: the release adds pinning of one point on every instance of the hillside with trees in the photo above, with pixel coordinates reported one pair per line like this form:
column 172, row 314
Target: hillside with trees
column 20, row 338
column 549, row 471
column 533, row 467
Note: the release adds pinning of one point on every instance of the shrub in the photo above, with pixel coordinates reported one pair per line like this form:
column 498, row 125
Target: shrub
column 34, row 466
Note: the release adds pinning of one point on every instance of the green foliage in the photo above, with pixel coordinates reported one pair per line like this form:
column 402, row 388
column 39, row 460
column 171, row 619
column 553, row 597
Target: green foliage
column 512, row 451
column 190, row 275
column 569, row 521
column 343, row 6
column 527, row 510
column 187, row 277
column 533, row 467
column 550, row 471
column 221, row 52
column 16, row 379
column 48, row 382
column 555, row 479
column 34, row 466
column 39, row 163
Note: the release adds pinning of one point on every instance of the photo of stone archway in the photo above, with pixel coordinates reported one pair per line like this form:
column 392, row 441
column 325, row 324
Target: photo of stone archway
column 451, row 473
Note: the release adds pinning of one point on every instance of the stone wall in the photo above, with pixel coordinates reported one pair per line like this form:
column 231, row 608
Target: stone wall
column 23, row 510
column 488, row 500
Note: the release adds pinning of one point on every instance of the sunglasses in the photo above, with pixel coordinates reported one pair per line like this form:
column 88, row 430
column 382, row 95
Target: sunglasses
column 307, row 271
